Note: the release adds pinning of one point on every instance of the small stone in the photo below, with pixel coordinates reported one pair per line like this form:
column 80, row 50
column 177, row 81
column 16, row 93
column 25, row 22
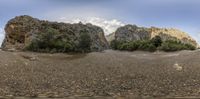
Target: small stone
column 177, row 67
column 26, row 63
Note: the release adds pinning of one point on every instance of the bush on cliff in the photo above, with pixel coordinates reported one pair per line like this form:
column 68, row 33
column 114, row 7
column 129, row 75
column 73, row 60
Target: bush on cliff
column 145, row 45
column 157, row 41
column 85, row 42
column 116, row 44
column 173, row 45
column 154, row 44
column 50, row 41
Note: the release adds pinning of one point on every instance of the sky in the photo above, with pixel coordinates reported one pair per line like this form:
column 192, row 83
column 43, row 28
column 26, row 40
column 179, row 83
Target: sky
column 109, row 14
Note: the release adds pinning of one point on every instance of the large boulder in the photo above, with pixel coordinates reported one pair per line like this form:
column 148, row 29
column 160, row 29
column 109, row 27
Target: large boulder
column 133, row 32
column 23, row 30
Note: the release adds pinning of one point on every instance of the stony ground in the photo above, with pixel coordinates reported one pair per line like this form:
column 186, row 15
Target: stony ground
column 108, row 74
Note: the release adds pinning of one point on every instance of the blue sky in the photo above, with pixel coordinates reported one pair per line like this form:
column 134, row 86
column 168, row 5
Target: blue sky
column 180, row 14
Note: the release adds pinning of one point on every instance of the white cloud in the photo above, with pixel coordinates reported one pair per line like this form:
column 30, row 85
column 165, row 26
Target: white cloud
column 109, row 26
column 2, row 34
column 96, row 15
column 198, row 37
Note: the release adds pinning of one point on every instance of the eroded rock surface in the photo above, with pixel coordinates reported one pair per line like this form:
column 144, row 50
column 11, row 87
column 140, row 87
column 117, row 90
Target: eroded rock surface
column 133, row 32
column 22, row 30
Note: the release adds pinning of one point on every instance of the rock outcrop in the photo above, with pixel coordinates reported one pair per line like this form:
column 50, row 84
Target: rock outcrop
column 22, row 30
column 171, row 33
column 133, row 32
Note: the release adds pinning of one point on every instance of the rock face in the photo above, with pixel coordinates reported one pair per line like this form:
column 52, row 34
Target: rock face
column 132, row 32
column 110, row 37
column 22, row 30
column 167, row 34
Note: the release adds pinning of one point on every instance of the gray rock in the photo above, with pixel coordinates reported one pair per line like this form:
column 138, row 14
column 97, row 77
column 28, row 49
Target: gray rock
column 133, row 32
column 22, row 30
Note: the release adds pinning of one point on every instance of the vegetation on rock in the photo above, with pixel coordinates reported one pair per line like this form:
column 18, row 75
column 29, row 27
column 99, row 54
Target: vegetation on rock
column 27, row 33
column 173, row 45
column 50, row 41
column 145, row 45
column 130, row 33
column 151, row 45
column 85, row 42
column 157, row 41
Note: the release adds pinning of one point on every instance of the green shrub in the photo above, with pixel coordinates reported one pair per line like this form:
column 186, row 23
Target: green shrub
column 173, row 45
column 154, row 44
column 190, row 47
column 116, row 44
column 146, row 45
column 85, row 42
column 113, row 44
column 157, row 41
column 124, row 46
column 33, row 46
column 133, row 45
column 50, row 42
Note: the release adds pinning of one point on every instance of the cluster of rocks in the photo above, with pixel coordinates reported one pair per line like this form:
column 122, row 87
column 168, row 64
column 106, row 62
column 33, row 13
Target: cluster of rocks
column 22, row 30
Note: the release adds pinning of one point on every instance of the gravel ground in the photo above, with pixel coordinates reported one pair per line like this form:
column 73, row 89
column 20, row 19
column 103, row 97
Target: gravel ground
column 106, row 74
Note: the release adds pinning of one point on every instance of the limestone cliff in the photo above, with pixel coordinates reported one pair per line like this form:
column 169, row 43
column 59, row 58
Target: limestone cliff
column 133, row 32
column 22, row 30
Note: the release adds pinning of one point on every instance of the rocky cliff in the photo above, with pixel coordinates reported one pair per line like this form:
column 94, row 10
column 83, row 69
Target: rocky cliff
column 172, row 33
column 133, row 32
column 23, row 30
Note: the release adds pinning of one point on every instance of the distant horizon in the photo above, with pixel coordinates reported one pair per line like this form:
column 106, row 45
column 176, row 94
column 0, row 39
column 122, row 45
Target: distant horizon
column 109, row 14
